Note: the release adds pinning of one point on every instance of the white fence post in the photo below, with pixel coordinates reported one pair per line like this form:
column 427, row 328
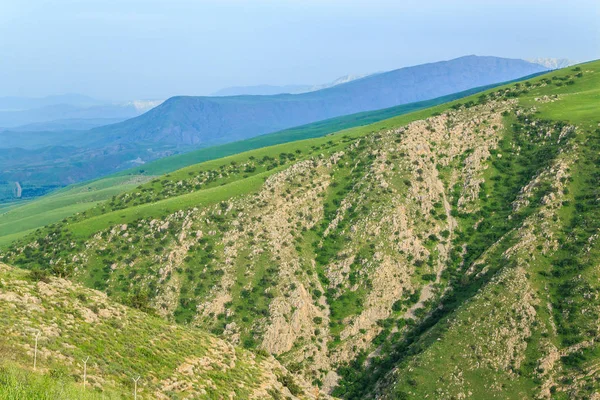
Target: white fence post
column 85, row 371
column 135, row 381
column 37, row 336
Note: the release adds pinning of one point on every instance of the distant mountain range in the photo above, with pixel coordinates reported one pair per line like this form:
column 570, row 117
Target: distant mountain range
column 200, row 121
column 15, row 103
column 66, row 112
column 52, row 157
column 265, row 90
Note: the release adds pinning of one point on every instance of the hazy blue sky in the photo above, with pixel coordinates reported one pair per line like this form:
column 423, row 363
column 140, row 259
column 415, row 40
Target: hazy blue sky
column 125, row 49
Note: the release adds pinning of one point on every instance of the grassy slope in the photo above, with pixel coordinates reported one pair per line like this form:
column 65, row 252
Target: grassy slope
column 240, row 185
column 18, row 220
column 575, row 106
column 121, row 343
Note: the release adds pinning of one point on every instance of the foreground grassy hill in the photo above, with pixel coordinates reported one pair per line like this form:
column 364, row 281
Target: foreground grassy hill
column 449, row 253
column 75, row 323
column 79, row 197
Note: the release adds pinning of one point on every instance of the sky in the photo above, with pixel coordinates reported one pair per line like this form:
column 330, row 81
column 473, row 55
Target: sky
column 154, row 49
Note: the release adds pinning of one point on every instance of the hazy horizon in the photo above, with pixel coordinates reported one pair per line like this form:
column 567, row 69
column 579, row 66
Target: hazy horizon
column 134, row 49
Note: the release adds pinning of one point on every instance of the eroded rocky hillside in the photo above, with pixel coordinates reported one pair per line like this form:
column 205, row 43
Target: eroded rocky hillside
column 449, row 257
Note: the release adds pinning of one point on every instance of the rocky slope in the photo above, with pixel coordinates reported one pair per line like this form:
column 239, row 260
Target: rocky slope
column 449, row 254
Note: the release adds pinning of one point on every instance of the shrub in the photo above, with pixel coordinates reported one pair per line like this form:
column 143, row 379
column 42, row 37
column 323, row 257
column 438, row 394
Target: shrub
column 39, row 275
column 288, row 382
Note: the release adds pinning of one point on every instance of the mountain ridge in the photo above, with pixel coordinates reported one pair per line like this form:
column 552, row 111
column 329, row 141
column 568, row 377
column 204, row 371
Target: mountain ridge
column 192, row 120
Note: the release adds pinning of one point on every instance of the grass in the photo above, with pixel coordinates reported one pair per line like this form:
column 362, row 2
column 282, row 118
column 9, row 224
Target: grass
column 578, row 103
column 17, row 221
column 7, row 206
column 19, row 384
column 214, row 195
column 76, row 323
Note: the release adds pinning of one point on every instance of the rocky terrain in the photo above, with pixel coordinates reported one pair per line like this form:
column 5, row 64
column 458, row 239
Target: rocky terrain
column 451, row 254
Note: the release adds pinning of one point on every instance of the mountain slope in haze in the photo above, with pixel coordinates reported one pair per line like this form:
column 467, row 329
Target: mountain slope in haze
column 448, row 254
column 195, row 121
column 16, row 103
column 60, row 125
column 553, row 63
column 120, row 343
column 65, row 112
column 263, row 90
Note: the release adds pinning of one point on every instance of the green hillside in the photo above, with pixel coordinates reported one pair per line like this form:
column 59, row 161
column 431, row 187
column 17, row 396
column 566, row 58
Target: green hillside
column 79, row 197
column 18, row 220
column 446, row 253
